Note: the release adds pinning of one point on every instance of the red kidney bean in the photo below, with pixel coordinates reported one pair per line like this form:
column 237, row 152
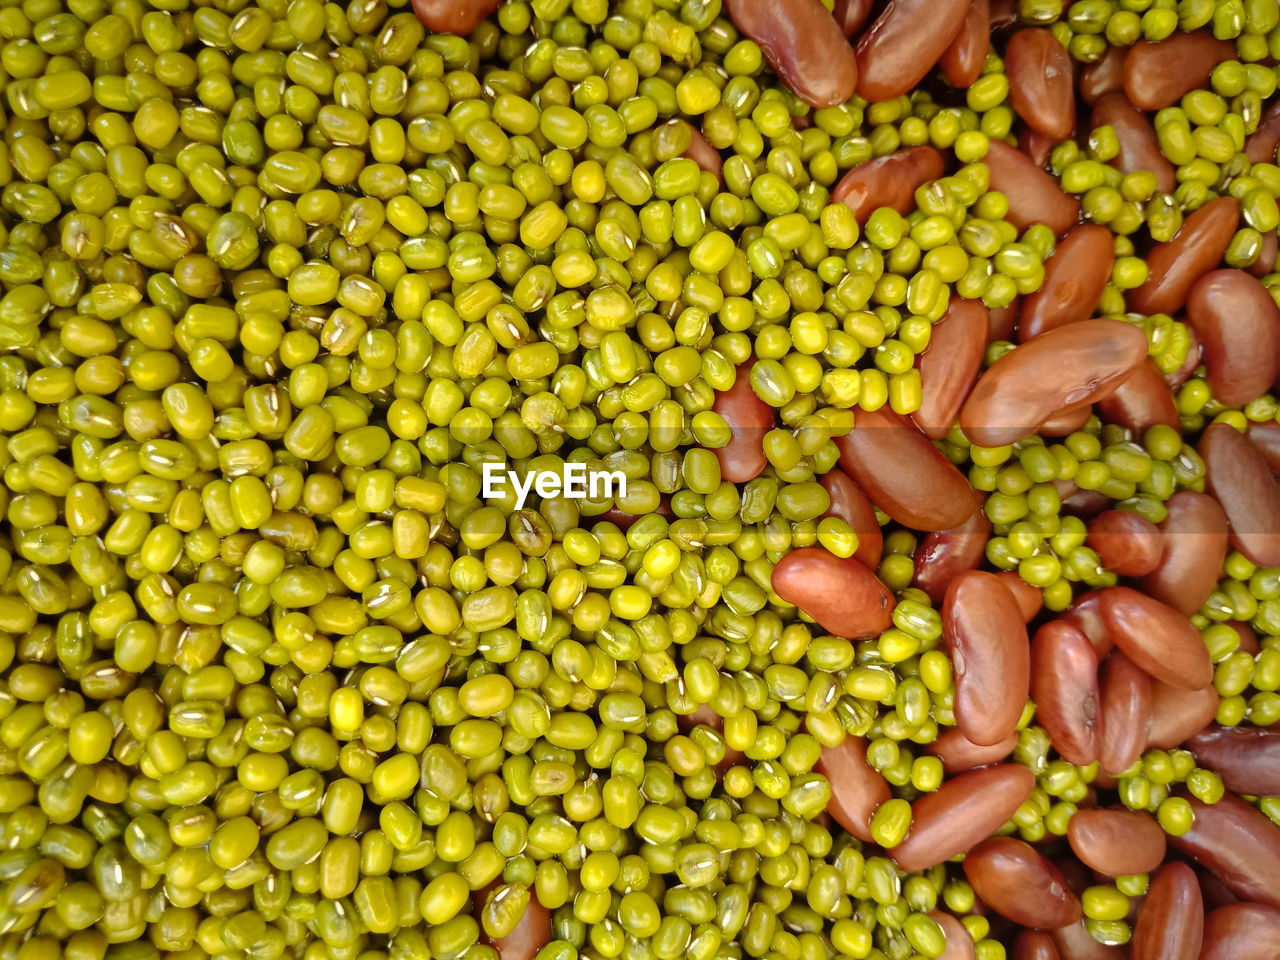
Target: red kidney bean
column 1157, row 638
column 986, row 639
column 1034, row 945
column 1237, row 474
column 1260, row 146
column 1115, row 841
column 1175, row 266
column 701, row 152
column 1067, row 422
column 1213, row 891
column 959, row 943
column 852, row 506
column 1248, row 639
column 895, row 54
column 1177, row 714
column 1030, row 599
column 964, row 810
column 1267, row 252
column 1184, row 372
column 1156, row 75
column 1036, row 146
column 1194, row 546
column 1139, row 148
column 958, row 753
column 950, row 364
column 1003, row 320
column 1074, row 278
column 1034, row 196
column 749, row 418
column 1171, row 920
column 1142, row 401
column 1246, row 758
column 1266, row 437
column 841, row 594
column 1085, row 503
column 803, row 44
column 1074, row 942
column 903, row 473
column 1086, row 614
column 1105, row 75
column 857, row 788
column 1241, row 931
column 1020, row 883
column 1125, row 713
column 945, row 554
column 961, row 62
column 852, row 15
column 1064, row 685
column 1239, row 844
column 1067, row 367
column 888, row 181
column 1239, row 328
column 1041, row 82
column 453, row 16
column 532, row 932
column 1004, row 13
column 1126, row 542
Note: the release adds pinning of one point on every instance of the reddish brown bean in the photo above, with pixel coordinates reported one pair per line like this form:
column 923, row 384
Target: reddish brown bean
column 958, row 753
column 1266, row 259
column 1030, row 598
column 1156, row 75
column 1086, row 614
column 950, row 364
column 895, row 54
column 986, row 638
column 1260, row 146
column 1037, row 146
column 1034, row 945
column 1248, row 639
column 1074, row 942
column 1074, row 278
column 1105, row 75
column 903, row 473
column 701, row 152
column 841, row 594
column 1239, row 328
column 1142, row 401
column 1237, row 474
column 1084, row 503
column 1177, row 714
column 1156, row 637
column 1139, row 148
column 1127, row 543
column 1004, row 14
column 1124, row 715
column 453, row 16
column 1239, row 844
column 889, row 181
column 852, row 506
column 803, row 44
column 945, row 554
column 1064, row 685
column 963, row 811
column 962, row 62
column 959, row 943
column 1034, row 196
column 1212, row 890
column 1020, row 883
column 1041, row 82
column 1266, row 437
column 1194, row 546
column 532, row 932
column 1004, row 320
column 857, row 788
column 1175, row 266
column 1241, row 931
column 1067, row 422
column 1068, row 367
column 1115, row 841
column 1171, row 920
column 1246, row 758
column 852, row 15
column 749, row 419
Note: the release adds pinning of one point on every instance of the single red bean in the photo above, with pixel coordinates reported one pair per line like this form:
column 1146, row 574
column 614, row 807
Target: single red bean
column 1266, row 260
column 903, row 473
column 1064, row 685
column 1175, row 266
column 841, row 594
column 749, row 418
column 1248, row 639
column 1194, row 546
column 857, row 788
column 1074, row 942
column 1156, row 637
column 1189, row 364
column 1266, row 437
column 1238, row 843
column 950, row 364
column 895, row 53
column 1034, row 945
column 1178, row 714
column 1127, row 543
column 852, row 15
column 1004, row 13
column 958, row 753
column 963, row 811
column 962, row 62
column 1004, row 320
column 959, row 943
column 1237, row 474
column 1171, row 920
column 532, row 932
column 1139, row 148
column 945, row 554
column 1239, row 328
column 1041, row 82
column 986, row 638
column 1034, row 196
column 1030, row 598
column 1115, row 841
column 1085, row 503
column 1036, row 146
column 1086, row 614
column 1067, row 367
column 803, row 44
column 1105, row 75
column 1067, row 422
column 1143, row 401
column 453, row 16
column 1074, row 278
column 701, row 152
column 1156, row 75
column 1241, row 931
column 1020, row 883
column 852, row 506
column 1260, row 146
column 1125, row 713
column 1246, row 758
column 888, row 181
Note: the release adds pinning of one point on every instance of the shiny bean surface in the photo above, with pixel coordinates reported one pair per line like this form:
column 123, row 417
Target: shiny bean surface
column 749, row 418
column 857, row 789
column 1074, row 279
column 888, row 181
column 944, row 554
column 1126, row 542
column 1138, row 148
column 1041, row 82
column 1239, row 328
column 1170, row 923
column 1174, row 267
column 1156, row 75
column 839, row 593
column 1246, row 758
column 1124, row 713
column 1021, row 884
column 1034, row 197
column 895, row 54
column 962, row 61
column 1141, row 402
column 1193, row 547
column 1116, row 841
column 1241, row 931
column 1156, row 637
column 851, row 505
column 1064, row 686
column 1239, row 844
column 949, row 367
column 804, row 46
column 1238, row 476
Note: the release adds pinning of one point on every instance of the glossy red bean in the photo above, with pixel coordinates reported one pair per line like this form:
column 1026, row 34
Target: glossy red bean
column 1194, row 546
column 1177, row 714
column 852, row 506
column 1239, row 844
column 958, row 753
column 1034, row 196
column 1248, row 639
column 950, row 364
column 1115, row 841
column 1171, row 920
column 1246, row 758
column 1127, row 543
column 1068, row 367
column 1175, row 266
column 1034, row 945
column 453, row 16
column 1267, row 252
column 1143, row 401
column 841, row 594
column 986, row 638
column 1124, row 715
column 888, row 181
column 803, row 44
column 895, row 54
column 1041, row 82
column 749, row 418
column 1004, row 320
column 1020, row 883
column 1156, row 75
column 1030, row 598
column 1260, row 146
column 1105, row 75
column 532, row 932
column 944, row 554
column 1139, row 148
column 1239, row 328
column 1086, row 614
column 963, row 811
column 1084, row 503
column 1064, row 685
column 1241, row 931
column 1266, row 437
column 903, row 473
column 857, row 788
column 1156, row 637
column 959, row 943
column 852, row 15
column 1067, row 422
column 962, row 62
column 1237, row 474
column 1074, row 278
column 1004, row 14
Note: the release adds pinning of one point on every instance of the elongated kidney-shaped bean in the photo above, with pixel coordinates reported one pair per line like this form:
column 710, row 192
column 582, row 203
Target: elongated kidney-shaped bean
column 1064, row 685
column 1004, row 320
column 852, row 15
column 1267, row 252
column 959, row 943
column 1126, row 542
column 1020, row 883
column 1239, row 844
column 1266, row 437
column 896, row 53
column 1260, row 146
column 1139, row 148
column 1116, row 841
column 1041, row 82
column 1030, row 598
column 1074, row 279
column 852, row 506
column 1156, row 75
column 1034, row 196
column 949, row 366
column 749, row 418
column 1192, row 551
column 1125, row 713
column 453, row 16
column 945, row 554
column 986, row 639
column 958, row 753
column 1173, row 267
column 1143, row 401
column 1086, row 614
column 1241, row 931
column 1034, row 945
column 1067, row 367
column 531, row 933
column 1105, row 75
column 903, row 473
column 857, row 788
column 888, row 181
column 963, row 811
column 1239, row 328
column 841, row 594
column 1171, row 920
column 961, row 62
column 1156, row 637
column 803, row 44
column 1177, row 714
column 1246, row 758
column 1067, row 421
column 1237, row 474
column 1036, row 146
